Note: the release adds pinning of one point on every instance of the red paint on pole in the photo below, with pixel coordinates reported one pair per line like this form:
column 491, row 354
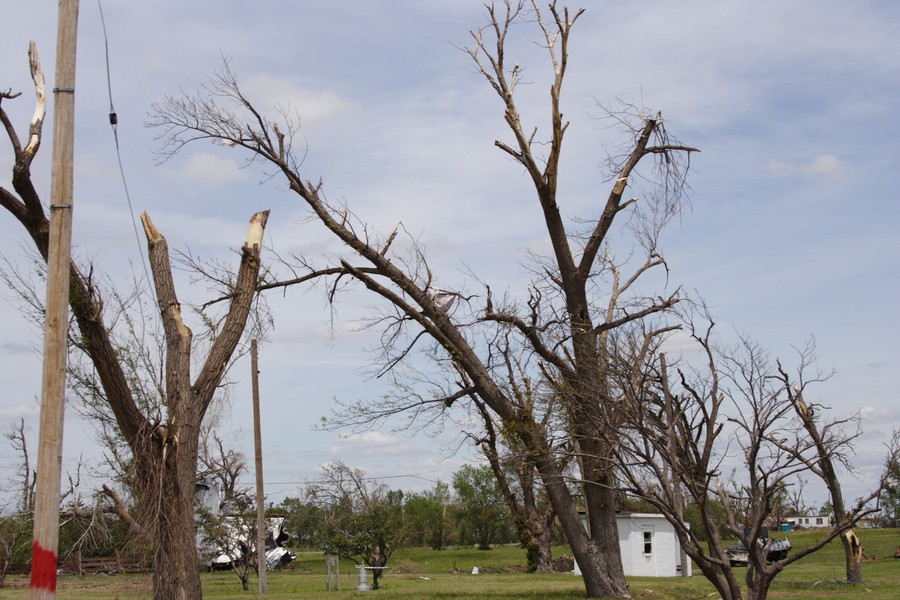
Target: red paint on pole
column 43, row 568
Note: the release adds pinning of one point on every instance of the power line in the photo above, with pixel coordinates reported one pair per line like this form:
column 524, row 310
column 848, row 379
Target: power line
column 114, row 123
column 366, row 478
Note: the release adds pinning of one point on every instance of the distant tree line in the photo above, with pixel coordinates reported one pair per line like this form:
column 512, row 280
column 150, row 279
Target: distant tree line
column 348, row 514
column 344, row 512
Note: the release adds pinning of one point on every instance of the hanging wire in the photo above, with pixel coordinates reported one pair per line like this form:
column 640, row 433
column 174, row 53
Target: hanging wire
column 114, row 123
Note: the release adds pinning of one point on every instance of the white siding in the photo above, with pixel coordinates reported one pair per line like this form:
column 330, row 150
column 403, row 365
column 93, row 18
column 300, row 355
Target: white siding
column 664, row 554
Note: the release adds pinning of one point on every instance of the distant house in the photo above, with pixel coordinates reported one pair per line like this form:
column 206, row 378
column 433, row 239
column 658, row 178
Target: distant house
column 810, row 521
column 868, row 522
column 825, row 521
column 648, row 545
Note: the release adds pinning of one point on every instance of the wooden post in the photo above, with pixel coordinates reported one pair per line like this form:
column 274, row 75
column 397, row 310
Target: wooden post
column 56, row 323
column 260, row 497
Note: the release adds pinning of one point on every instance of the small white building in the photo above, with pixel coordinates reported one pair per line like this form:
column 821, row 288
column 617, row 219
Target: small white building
column 811, row 521
column 648, row 545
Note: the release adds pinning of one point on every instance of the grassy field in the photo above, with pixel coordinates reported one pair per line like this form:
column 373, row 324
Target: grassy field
column 426, row 574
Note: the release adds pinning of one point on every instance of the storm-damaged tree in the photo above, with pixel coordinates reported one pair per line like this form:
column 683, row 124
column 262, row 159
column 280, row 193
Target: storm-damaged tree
column 363, row 518
column 17, row 517
column 729, row 416
column 26, row 476
column 163, row 449
column 517, row 479
column 530, row 509
column 87, row 528
column 221, row 462
column 563, row 318
column 826, row 446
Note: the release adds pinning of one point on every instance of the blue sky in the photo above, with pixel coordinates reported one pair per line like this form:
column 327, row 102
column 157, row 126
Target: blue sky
column 792, row 231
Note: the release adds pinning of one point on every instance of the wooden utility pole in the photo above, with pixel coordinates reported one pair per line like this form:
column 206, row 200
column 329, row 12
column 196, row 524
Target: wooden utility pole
column 56, row 321
column 261, row 528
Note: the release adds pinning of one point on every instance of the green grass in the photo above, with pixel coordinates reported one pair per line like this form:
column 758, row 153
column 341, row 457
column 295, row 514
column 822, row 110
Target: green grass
column 426, row 574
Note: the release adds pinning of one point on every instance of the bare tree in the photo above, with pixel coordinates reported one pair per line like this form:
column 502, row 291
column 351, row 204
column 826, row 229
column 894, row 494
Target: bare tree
column 16, row 524
column 734, row 414
column 17, row 521
column 164, row 451
column 221, row 462
column 566, row 317
column 829, row 444
column 26, row 476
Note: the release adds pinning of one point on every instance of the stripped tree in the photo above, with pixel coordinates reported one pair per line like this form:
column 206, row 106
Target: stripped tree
column 565, row 318
column 730, row 431
column 828, row 445
column 163, row 447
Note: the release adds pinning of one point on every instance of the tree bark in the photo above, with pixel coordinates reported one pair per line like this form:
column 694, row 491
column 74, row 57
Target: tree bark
column 168, row 455
column 176, row 567
column 853, row 555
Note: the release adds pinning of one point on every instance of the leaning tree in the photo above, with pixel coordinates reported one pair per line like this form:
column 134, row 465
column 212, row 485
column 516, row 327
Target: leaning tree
column 163, row 446
column 568, row 311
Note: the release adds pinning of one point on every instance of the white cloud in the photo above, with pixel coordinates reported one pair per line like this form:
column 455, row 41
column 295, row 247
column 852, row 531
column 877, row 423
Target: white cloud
column 875, row 415
column 282, row 94
column 20, row 411
column 825, row 167
column 828, row 167
column 211, row 169
column 369, row 443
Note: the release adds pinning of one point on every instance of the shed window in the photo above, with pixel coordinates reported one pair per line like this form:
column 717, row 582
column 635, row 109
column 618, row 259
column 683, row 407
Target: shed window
column 648, row 542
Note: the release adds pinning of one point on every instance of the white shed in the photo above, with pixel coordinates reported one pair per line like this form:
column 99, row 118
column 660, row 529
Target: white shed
column 649, row 546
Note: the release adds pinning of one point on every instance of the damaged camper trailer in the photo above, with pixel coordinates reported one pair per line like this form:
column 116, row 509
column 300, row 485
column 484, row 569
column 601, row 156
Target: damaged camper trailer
column 234, row 539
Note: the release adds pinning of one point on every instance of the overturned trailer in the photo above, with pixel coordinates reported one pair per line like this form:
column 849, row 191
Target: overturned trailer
column 775, row 549
column 233, row 539
column 242, row 545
